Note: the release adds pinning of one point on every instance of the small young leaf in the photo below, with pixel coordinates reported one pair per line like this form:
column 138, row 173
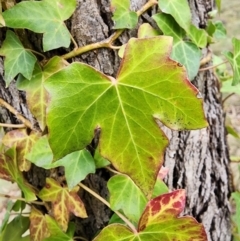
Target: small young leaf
column 126, row 196
column 181, row 13
column 17, row 58
column 10, row 172
column 63, row 202
column 99, row 160
column 147, row 31
column 36, row 94
column 24, row 143
column 234, row 59
column 184, row 52
column 144, row 90
column 15, row 229
column 38, row 226
column 77, row 166
column 45, row 17
column 179, row 10
column 159, row 188
column 123, row 17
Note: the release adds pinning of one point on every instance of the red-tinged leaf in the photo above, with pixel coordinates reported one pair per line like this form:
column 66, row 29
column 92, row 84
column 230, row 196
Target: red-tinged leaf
column 159, row 222
column 149, row 86
column 9, row 171
column 37, row 96
column 24, row 143
column 38, row 226
column 166, row 206
column 63, row 202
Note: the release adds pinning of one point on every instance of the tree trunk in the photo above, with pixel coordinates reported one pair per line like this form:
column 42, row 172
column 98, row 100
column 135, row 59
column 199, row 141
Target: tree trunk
column 197, row 160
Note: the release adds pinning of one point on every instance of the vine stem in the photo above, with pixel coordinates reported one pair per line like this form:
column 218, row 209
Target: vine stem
column 12, row 125
column 214, row 66
column 227, row 97
column 107, row 43
column 21, row 199
column 130, row 225
column 37, row 53
column 16, row 113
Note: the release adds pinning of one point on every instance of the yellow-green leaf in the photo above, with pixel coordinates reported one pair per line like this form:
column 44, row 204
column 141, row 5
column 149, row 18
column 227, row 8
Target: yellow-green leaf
column 149, row 86
column 63, row 202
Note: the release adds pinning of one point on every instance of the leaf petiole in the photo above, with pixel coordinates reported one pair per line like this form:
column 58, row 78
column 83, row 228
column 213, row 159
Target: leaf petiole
column 130, row 225
column 16, row 113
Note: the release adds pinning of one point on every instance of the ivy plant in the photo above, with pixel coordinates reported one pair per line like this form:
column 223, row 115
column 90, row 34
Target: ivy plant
column 71, row 101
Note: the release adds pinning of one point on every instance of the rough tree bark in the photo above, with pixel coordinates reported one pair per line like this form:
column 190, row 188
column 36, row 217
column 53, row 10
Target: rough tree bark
column 197, row 160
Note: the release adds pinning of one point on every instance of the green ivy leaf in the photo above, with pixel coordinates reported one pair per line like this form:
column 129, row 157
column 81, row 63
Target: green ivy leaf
column 159, row 188
column 41, row 154
column 159, row 221
column 45, row 17
column 236, row 216
column 5, row 218
column 216, row 30
column 56, row 233
column 184, row 52
column 15, row 229
column 36, row 94
column 123, row 17
column 126, row 196
column 77, row 166
column 146, row 31
column 227, row 87
column 234, row 60
column 181, row 13
column 100, row 161
column 149, row 86
column 9, row 171
column 17, row 58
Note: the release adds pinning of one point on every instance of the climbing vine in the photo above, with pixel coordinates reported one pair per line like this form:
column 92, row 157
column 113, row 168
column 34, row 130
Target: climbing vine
column 73, row 101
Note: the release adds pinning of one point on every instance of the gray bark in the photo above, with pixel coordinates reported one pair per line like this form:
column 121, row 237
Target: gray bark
column 197, row 160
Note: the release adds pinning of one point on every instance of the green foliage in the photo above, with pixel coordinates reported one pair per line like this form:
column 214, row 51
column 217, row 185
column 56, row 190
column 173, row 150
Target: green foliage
column 18, row 59
column 112, row 97
column 236, row 217
column 184, row 52
column 234, row 60
column 123, row 17
column 72, row 101
column 45, row 17
column 15, row 229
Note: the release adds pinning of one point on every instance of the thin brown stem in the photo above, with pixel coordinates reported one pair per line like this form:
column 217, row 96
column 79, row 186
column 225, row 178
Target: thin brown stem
column 37, row 53
column 21, row 199
column 16, row 113
column 130, row 225
column 148, row 5
column 19, row 126
column 227, row 97
column 112, row 170
column 213, row 66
